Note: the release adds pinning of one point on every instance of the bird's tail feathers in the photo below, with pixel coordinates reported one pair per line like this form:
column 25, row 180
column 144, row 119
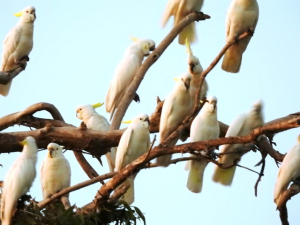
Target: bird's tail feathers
column 189, row 32
column 110, row 162
column 188, row 165
column 224, row 176
column 65, row 201
column 195, row 178
column 7, row 209
column 167, row 14
column 4, row 89
column 164, row 160
column 232, row 60
column 128, row 196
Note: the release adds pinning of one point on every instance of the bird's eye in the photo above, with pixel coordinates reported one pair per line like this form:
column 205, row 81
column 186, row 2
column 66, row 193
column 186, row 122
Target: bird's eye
column 27, row 11
column 140, row 118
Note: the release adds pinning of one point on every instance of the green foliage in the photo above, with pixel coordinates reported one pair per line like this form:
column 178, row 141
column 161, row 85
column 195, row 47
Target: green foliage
column 55, row 214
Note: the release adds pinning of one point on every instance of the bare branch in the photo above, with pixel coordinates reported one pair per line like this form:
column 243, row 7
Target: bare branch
column 285, row 196
column 6, row 77
column 65, row 191
column 137, row 164
column 16, row 118
column 151, row 59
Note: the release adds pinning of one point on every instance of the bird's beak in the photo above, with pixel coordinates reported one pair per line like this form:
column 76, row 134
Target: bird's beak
column 127, row 122
column 51, row 152
column 147, row 120
column 97, row 105
column 19, row 14
column 192, row 66
column 24, row 142
column 152, row 48
column 186, row 85
column 176, row 79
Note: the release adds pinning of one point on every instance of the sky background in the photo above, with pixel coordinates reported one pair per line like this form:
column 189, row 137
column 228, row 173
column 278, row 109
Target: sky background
column 76, row 49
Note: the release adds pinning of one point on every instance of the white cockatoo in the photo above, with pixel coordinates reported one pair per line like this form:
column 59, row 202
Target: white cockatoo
column 289, row 171
column 195, row 70
column 125, row 71
column 94, row 121
column 18, row 179
column 241, row 15
column 241, row 126
column 179, row 9
column 177, row 106
column 17, row 44
column 134, row 142
column 204, row 127
column 55, row 173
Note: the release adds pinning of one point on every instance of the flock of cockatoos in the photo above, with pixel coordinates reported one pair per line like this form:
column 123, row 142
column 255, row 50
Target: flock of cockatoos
column 135, row 141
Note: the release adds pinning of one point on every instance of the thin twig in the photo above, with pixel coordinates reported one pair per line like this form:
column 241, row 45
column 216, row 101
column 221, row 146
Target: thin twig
column 263, row 157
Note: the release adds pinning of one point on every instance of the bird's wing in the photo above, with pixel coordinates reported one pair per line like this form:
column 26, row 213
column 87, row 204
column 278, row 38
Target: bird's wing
column 181, row 11
column 123, row 148
column 9, row 45
column 170, row 10
column 166, row 112
column 124, row 75
column 236, row 126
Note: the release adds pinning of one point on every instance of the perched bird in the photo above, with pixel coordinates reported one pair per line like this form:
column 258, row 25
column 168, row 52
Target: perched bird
column 204, row 127
column 179, row 9
column 94, row 121
column 125, row 71
column 176, row 107
column 17, row 44
column 55, row 173
column 289, row 171
column 134, row 142
column 241, row 126
column 242, row 15
column 195, row 70
column 18, row 179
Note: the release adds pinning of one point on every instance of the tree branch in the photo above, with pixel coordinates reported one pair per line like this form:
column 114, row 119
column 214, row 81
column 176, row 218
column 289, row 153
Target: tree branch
column 151, row 59
column 160, row 150
column 6, row 77
column 26, row 115
column 287, row 195
column 43, row 203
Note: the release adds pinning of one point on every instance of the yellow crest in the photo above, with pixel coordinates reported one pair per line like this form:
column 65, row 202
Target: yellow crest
column 188, row 47
column 24, row 142
column 134, row 39
column 19, row 14
column 98, row 104
column 175, row 78
column 127, row 122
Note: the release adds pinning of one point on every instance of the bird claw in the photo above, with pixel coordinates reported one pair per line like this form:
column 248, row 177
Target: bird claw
column 136, row 98
column 236, row 39
column 25, row 57
column 21, row 64
column 250, row 31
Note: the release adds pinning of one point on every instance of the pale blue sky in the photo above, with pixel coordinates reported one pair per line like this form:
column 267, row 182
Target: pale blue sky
column 76, row 49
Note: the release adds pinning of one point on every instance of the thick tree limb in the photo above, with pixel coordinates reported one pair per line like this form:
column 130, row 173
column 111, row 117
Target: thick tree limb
column 5, row 77
column 286, row 195
column 151, row 59
column 160, row 150
column 92, row 141
column 19, row 117
column 25, row 117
